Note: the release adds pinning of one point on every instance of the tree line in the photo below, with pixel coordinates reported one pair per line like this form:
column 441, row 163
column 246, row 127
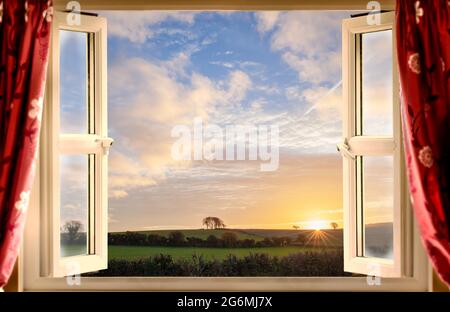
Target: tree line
column 178, row 239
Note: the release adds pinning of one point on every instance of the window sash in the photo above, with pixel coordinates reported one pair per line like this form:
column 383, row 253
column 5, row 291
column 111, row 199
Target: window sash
column 361, row 145
column 94, row 143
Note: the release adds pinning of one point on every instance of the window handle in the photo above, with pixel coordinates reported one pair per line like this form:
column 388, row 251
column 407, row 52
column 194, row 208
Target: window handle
column 344, row 149
column 105, row 143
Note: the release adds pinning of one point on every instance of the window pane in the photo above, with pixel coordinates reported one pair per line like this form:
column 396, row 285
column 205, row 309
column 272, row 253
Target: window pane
column 377, row 83
column 73, row 81
column 74, row 205
column 378, row 205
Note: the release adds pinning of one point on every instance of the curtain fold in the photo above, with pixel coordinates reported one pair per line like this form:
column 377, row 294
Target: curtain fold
column 423, row 52
column 24, row 46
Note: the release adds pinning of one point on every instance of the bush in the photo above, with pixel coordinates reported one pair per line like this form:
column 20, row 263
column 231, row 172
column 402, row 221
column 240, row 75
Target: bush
column 176, row 239
column 229, row 239
column 258, row 264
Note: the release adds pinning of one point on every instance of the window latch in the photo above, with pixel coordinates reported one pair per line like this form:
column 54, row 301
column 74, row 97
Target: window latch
column 344, row 149
column 105, row 144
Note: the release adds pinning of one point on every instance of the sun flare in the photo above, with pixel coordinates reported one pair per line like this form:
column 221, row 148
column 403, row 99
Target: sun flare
column 316, row 225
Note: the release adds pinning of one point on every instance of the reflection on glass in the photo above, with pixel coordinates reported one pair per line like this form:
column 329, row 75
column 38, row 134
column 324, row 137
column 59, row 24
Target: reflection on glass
column 74, row 204
column 73, row 82
column 377, row 83
column 378, row 206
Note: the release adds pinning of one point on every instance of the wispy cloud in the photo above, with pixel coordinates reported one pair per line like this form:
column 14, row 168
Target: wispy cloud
column 137, row 26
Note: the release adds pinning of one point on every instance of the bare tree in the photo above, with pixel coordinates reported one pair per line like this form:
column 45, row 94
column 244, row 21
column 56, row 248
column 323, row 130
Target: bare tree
column 72, row 228
column 334, row 225
column 296, row 227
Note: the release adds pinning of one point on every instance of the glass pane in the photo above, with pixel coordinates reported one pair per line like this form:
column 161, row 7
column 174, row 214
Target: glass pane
column 377, row 83
column 378, row 205
column 73, row 82
column 74, row 205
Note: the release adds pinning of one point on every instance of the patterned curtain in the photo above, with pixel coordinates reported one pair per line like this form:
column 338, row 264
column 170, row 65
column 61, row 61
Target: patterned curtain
column 24, row 41
column 423, row 51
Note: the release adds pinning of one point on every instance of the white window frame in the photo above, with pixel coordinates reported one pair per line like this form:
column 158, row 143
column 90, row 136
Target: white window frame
column 34, row 247
column 94, row 143
column 356, row 145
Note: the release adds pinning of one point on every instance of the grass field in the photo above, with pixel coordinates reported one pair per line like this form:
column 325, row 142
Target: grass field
column 333, row 238
column 136, row 252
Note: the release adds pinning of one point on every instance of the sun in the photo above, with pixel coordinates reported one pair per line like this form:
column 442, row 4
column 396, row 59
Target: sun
column 317, row 225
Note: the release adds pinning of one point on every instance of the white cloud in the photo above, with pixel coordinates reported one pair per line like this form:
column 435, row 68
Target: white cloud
column 266, row 20
column 149, row 101
column 316, row 69
column 118, row 194
column 239, row 84
column 307, row 42
column 136, row 26
column 221, row 63
column 307, row 33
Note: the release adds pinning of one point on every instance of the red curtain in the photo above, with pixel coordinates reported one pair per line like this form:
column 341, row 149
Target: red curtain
column 423, row 51
column 24, row 41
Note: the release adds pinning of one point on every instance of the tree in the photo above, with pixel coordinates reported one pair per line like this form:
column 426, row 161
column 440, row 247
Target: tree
column 296, row 227
column 213, row 223
column 176, row 238
column 208, row 222
column 72, row 228
column 229, row 239
column 302, row 238
column 218, row 223
column 334, row 225
column 212, row 241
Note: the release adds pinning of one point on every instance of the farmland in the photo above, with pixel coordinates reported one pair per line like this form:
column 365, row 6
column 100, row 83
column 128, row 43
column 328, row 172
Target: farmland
column 138, row 252
column 229, row 252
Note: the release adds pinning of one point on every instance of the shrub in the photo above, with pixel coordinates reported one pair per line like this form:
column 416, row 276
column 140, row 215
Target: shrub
column 258, row 264
column 229, row 239
column 176, row 238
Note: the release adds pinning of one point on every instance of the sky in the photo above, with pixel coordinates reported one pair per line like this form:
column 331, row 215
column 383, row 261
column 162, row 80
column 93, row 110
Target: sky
column 227, row 68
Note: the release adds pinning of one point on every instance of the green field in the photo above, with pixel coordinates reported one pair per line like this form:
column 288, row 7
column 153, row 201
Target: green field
column 136, row 252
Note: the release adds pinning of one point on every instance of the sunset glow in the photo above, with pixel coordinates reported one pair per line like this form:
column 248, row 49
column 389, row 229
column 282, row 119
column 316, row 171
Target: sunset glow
column 317, row 225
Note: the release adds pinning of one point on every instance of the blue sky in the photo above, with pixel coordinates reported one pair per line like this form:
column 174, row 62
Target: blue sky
column 166, row 68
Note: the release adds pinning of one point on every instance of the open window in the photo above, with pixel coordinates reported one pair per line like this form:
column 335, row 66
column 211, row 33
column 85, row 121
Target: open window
column 75, row 145
column 374, row 187
column 160, row 208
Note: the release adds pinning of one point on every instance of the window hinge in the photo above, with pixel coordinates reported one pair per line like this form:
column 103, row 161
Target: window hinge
column 344, row 149
column 105, row 144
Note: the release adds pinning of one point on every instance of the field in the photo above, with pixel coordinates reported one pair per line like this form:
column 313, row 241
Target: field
column 232, row 252
column 138, row 252
column 315, row 242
